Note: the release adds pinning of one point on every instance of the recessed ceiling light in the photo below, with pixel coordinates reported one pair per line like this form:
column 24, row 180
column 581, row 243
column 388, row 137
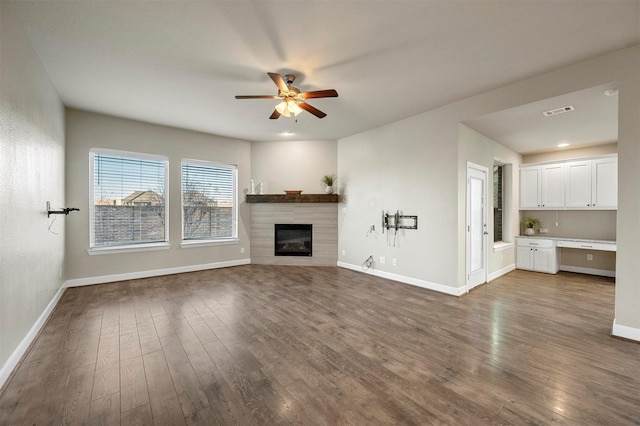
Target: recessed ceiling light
column 562, row 145
column 287, row 134
column 611, row 92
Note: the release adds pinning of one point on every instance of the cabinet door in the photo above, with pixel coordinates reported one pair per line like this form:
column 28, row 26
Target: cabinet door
column 543, row 260
column 604, row 183
column 524, row 258
column 578, row 185
column 552, row 186
column 529, row 188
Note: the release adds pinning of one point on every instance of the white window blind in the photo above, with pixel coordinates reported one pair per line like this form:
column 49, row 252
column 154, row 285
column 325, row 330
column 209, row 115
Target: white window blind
column 209, row 201
column 128, row 199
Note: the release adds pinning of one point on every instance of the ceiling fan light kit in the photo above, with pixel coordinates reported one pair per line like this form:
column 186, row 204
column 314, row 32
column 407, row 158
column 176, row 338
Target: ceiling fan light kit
column 292, row 100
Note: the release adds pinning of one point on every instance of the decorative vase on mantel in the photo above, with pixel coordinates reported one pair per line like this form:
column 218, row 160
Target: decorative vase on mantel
column 529, row 231
column 328, row 181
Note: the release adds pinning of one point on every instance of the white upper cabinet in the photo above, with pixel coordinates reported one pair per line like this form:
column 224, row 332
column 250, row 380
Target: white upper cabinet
column 588, row 184
column 552, row 188
column 542, row 187
column 578, row 185
column 530, row 187
column 604, row 184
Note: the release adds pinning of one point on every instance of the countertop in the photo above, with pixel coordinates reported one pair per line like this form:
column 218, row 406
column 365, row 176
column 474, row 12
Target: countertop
column 578, row 243
column 577, row 240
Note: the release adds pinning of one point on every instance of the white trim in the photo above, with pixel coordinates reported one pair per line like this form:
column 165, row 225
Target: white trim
column 500, row 272
column 129, row 154
column 501, row 246
column 485, row 219
column 204, row 243
column 153, row 273
column 590, row 271
column 626, row 332
column 566, row 160
column 20, row 351
column 129, row 248
column 407, row 280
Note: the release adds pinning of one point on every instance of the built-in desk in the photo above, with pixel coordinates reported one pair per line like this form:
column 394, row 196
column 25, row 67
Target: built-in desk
column 541, row 253
column 579, row 243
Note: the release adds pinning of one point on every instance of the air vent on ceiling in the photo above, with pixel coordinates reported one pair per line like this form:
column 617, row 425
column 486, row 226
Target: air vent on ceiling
column 558, row 111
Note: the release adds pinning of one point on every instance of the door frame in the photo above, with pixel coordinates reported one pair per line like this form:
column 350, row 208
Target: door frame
column 485, row 261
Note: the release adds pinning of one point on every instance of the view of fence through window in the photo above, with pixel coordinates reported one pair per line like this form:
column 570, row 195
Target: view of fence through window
column 128, row 195
column 208, row 201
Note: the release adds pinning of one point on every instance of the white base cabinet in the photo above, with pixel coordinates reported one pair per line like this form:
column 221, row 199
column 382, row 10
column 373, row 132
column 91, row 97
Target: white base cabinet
column 536, row 254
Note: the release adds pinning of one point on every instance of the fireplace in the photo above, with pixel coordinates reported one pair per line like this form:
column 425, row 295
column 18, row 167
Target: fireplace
column 293, row 240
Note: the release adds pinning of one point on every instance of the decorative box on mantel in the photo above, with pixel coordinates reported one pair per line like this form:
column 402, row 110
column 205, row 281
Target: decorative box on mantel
column 298, row 198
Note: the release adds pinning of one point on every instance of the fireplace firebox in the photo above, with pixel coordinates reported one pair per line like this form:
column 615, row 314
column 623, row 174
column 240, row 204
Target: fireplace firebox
column 293, row 240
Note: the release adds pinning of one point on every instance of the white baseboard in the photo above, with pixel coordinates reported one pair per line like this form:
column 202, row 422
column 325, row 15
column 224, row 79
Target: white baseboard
column 20, row 351
column 153, row 273
column 406, row 280
column 626, row 332
column 590, row 271
column 497, row 274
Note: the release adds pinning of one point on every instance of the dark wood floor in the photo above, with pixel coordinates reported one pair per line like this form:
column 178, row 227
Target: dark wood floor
column 304, row 345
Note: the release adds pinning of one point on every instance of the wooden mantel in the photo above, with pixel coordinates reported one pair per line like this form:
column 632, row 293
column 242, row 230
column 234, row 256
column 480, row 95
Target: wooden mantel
column 301, row 198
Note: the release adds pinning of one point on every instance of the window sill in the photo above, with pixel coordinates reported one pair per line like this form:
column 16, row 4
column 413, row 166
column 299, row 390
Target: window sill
column 205, row 243
column 501, row 246
column 132, row 248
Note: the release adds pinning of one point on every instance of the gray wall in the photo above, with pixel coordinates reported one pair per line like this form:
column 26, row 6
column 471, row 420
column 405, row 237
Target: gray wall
column 293, row 165
column 87, row 130
column 32, row 173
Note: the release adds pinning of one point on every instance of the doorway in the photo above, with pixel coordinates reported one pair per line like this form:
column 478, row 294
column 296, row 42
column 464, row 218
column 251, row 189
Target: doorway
column 477, row 232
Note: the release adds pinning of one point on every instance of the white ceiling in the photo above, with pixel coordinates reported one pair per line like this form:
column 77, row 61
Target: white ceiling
column 180, row 63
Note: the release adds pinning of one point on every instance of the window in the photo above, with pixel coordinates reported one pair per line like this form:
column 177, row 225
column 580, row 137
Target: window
column 209, row 202
column 128, row 206
column 498, row 202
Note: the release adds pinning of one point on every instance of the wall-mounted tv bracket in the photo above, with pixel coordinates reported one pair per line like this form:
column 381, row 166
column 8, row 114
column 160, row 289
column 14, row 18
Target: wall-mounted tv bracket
column 398, row 221
column 64, row 211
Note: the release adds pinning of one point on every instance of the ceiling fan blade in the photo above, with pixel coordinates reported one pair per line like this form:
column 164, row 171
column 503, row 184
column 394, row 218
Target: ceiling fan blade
column 279, row 81
column 330, row 93
column 313, row 110
column 258, row 97
column 275, row 115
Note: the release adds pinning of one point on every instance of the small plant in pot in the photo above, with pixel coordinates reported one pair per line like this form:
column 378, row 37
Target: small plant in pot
column 529, row 224
column 328, row 181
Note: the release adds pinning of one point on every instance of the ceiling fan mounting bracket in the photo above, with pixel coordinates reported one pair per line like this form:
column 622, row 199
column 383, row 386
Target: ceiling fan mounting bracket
column 289, row 78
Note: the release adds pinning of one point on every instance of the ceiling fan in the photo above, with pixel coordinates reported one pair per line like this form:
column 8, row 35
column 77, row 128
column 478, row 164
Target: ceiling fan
column 293, row 101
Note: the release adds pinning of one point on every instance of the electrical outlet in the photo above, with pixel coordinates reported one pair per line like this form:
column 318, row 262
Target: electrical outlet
column 382, row 260
column 589, row 257
column 241, row 249
column 394, row 262
column 344, row 252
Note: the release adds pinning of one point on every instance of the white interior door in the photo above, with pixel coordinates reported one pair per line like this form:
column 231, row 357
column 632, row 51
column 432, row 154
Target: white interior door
column 477, row 232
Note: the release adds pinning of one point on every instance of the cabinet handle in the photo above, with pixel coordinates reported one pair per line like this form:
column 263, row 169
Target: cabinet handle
column 585, row 246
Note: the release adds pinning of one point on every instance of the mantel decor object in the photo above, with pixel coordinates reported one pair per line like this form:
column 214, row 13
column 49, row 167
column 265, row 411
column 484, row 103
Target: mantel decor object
column 328, row 181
